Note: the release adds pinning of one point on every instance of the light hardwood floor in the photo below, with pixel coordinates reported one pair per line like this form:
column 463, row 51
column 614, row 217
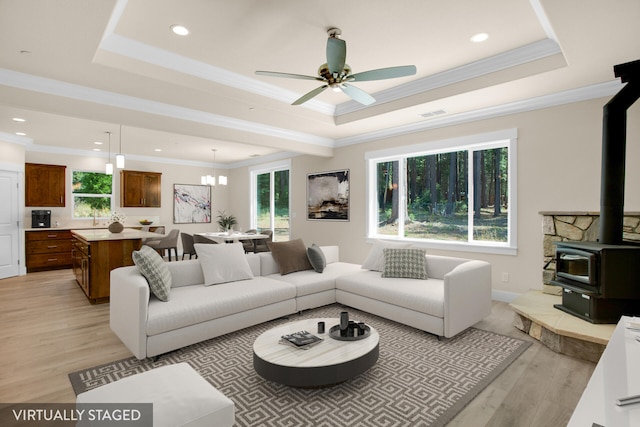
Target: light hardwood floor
column 48, row 329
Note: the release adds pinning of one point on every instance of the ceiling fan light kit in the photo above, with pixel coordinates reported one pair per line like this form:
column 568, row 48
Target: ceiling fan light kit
column 336, row 73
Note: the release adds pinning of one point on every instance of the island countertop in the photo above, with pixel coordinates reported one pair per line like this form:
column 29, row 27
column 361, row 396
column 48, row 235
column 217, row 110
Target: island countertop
column 102, row 234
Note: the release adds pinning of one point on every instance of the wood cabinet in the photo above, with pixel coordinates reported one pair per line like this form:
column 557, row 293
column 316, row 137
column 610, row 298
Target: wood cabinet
column 80, row 256
column 48, row 250
column 44, row 185
column 140, row 189
column 93, row 261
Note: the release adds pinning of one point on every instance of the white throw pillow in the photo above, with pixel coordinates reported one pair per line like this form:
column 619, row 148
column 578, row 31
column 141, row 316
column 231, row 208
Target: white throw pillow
column 375, row 259
column 223, row 263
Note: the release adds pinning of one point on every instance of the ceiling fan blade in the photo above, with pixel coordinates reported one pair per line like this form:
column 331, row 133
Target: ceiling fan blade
column 308, row 96
column 357, row 94
column 287, row 75
column 336, row 54
column 384, row 73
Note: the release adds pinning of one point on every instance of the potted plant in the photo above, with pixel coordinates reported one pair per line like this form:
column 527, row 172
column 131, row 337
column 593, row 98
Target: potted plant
column 226, row 222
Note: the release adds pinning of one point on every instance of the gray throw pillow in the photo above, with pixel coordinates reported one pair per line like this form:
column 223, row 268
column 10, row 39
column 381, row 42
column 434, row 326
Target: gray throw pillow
column 155, row 270
column 405, row 263
column 316, row 258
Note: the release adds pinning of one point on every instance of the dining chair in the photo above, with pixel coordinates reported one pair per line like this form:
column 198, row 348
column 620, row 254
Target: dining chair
column 198, row 238
column 170, row 241
column 187, row 245
column 247, row 245
column 158, row 230
column 261, row 244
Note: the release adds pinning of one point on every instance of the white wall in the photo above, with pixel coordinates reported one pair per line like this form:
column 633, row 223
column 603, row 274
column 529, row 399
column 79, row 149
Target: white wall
column 558, row 169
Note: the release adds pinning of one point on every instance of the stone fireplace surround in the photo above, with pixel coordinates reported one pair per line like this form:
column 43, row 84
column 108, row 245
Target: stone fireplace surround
column 577, row 227
column 534, row 311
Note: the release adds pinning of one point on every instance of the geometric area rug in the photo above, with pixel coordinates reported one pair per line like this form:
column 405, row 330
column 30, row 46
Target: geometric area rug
column 418, row 380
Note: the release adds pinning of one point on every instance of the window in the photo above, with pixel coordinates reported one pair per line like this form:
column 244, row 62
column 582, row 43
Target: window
column 92, row 194
column 453, row 194
column 270, row 199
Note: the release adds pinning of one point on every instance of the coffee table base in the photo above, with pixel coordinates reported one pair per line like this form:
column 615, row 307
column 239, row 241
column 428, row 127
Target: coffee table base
column 314, row 377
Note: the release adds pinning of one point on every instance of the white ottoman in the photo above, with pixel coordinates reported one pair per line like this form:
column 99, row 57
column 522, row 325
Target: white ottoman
column 180, row 397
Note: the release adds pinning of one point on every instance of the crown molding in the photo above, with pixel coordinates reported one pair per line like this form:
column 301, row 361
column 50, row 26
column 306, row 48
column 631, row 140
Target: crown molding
column 120, row 45
column 502, row 61
column 599, row 90
column 97, row 96
column 15, row 139
column 163, row 160
column 129, row 48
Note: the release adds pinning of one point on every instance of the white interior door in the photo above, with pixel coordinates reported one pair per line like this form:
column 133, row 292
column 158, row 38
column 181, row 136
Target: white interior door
column 9, row 244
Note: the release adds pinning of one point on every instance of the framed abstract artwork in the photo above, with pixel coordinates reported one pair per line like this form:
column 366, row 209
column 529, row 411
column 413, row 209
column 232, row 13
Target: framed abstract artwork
column 191, row 203
column 328, row 195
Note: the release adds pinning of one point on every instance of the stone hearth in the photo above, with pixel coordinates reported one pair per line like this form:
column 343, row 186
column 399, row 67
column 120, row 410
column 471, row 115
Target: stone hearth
column 561, row 332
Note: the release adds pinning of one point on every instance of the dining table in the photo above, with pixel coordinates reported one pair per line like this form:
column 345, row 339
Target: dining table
column 233, row 237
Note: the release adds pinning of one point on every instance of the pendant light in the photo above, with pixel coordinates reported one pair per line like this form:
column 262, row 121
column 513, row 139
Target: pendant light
column 109, row 165
column 120, row 156
column 222, row 180
column 211, row 179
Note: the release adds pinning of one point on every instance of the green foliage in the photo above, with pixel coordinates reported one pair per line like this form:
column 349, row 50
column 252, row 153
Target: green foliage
column 436, row 194
column 87, row 188
column 226, row 222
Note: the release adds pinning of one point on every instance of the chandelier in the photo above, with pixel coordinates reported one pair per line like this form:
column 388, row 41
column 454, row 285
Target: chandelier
column 211, row 179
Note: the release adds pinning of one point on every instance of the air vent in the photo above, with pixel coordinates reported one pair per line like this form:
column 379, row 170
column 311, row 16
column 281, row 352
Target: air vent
column 433, row 113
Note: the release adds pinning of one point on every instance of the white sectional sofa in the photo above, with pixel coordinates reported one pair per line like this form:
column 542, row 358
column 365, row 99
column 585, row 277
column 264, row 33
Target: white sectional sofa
column 456, row 295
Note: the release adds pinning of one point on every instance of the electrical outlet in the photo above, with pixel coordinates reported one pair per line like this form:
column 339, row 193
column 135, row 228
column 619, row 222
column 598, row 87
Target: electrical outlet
column 505, row 277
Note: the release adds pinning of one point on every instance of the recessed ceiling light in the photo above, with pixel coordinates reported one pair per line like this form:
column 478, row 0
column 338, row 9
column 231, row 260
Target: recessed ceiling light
column 97, row 142
column 480, row 37
column 18, row 119
column 180, row 30
column 21, row 134
column 157, row 149
column 96, row 149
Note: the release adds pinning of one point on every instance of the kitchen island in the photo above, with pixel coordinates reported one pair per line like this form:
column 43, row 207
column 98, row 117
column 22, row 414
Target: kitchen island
column 96, row 252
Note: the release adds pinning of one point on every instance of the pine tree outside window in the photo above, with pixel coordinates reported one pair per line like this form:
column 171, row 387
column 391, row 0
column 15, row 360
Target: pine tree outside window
column 453, row 194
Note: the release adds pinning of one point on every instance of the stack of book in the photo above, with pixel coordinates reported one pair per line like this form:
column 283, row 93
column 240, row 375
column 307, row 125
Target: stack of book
column 302, row 339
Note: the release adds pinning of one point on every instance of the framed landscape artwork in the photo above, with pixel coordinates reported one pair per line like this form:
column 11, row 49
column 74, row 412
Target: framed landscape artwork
column 328, row 195
column 191, row 203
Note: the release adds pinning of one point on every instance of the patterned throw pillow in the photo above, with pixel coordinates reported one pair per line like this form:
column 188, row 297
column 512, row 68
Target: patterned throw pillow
column 316, row 258
column 375, row 259
column 154, row 269
column 405, row 263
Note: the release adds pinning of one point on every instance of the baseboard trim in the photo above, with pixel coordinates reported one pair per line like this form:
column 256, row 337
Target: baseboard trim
column 504, row 296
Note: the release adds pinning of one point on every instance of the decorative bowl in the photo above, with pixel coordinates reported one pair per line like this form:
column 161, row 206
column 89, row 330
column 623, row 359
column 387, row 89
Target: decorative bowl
column 145, row 222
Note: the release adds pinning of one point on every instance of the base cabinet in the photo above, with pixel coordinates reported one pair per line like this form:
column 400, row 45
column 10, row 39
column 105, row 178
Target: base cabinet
column 80, row 255
column 94, row 260
column 48, row 250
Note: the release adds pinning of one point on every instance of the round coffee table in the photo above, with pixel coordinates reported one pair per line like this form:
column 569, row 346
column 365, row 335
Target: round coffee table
column 326, row 363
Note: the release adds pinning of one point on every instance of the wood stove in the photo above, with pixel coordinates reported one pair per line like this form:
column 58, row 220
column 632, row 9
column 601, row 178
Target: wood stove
column 601, row 280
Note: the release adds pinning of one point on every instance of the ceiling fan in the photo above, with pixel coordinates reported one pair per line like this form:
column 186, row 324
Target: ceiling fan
column 336, row 74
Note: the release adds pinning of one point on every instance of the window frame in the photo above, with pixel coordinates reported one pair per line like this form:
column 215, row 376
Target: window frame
column 270, row 168
column 498, row 139
column 74, row 195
